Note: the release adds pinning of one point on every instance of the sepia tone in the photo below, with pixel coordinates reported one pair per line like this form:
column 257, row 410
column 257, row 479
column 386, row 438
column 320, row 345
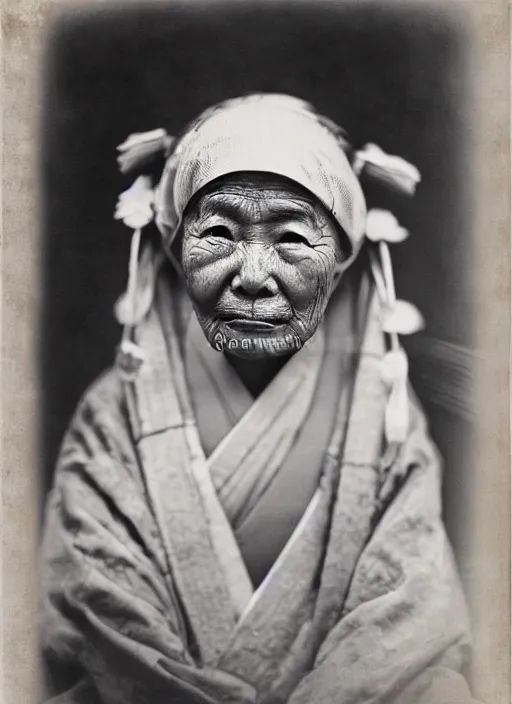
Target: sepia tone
column 25, row 28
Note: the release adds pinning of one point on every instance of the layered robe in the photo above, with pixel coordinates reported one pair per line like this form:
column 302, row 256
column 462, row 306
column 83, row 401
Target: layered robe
column 202, row 546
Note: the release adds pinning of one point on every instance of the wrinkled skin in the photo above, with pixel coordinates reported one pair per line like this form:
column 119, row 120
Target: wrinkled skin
column 259, row 255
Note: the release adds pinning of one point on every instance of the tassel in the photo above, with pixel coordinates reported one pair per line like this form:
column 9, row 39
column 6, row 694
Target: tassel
column 394, row 371
column 399, row 317
column 394, row 367
column 391, row 170
column 378, row 276
column 143, row 149
column 131, row 290
column 128, row 311
column 402, row 318
column 136, row 207
column 130, row 356
column 396, row 416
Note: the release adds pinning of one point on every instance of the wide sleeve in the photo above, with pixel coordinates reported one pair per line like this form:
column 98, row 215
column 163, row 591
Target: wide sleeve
column 111, row 620
column 403, row 637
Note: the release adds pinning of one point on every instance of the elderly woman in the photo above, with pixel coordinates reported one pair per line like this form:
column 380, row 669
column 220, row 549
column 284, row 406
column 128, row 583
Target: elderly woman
column 247, row 507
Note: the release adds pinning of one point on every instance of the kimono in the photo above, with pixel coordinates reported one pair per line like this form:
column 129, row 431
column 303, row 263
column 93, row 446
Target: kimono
column 202, row 546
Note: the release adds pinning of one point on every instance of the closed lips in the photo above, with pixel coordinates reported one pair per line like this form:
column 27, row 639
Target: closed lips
column 251, row 324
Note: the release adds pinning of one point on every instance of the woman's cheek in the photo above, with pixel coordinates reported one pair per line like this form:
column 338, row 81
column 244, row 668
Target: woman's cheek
column 206, row 276
column 303, row 280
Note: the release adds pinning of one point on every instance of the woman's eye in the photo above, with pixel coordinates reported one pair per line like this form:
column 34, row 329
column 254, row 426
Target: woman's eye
column 218, row 231
column 293, row 238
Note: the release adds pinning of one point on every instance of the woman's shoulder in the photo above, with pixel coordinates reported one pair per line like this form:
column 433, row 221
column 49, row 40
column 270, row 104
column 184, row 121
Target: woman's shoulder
column 103, row 401
column 100, row 426
column 105, row 393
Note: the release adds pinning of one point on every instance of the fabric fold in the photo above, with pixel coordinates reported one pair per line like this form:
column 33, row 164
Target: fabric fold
column 141, row 562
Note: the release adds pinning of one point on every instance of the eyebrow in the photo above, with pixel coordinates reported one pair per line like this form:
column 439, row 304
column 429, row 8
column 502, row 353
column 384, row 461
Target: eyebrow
column 277, row 214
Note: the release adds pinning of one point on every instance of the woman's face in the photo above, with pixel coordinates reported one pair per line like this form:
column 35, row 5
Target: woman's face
column 259, row 256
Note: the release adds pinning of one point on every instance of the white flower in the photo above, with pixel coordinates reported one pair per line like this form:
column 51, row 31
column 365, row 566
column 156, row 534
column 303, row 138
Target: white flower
column 142, row 148
column 394, row 170
column 135, row 206
column 138, row 138
column 402, row 318
column 382, row 225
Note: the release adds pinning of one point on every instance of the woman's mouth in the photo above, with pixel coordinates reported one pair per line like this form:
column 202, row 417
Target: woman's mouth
column 252, row 325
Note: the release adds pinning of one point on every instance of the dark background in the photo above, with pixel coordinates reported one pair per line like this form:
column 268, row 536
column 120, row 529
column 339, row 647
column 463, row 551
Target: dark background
column 390, row 75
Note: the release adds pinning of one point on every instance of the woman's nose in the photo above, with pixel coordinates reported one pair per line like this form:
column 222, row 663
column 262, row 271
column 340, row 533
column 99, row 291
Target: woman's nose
column 254, row 277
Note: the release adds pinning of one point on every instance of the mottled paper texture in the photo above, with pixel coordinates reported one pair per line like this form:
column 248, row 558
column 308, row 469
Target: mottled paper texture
column 26, row 24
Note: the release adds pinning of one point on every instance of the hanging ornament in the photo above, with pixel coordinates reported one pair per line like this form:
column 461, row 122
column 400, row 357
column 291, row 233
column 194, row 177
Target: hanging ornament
column 135, row 205
column 396, row 415
column 130, row 356
column 391, row 170
column 131, row 309
column 143, row 148
column 382, row 225
column 398, row 318
column 394, row 366
column 402, row 318
column 129, row 359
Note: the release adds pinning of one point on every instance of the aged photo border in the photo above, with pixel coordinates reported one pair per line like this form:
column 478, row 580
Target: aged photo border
column 25, row 24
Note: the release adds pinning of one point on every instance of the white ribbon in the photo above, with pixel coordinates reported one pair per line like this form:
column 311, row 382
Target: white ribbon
column 398, row 317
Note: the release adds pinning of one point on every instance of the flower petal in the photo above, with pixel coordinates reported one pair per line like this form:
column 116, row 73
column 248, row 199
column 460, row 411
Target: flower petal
column 135, row 205
column 138, row 138
column 382, row 225
column 393, row 170
column 403, row 318
column 130, row 206
column 143, row 149
column 137, row 221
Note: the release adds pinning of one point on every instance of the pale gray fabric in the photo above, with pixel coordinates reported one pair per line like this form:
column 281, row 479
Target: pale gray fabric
column 397, row 632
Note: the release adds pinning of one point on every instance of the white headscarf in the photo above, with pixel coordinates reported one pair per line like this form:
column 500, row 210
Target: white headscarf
column 268, row 133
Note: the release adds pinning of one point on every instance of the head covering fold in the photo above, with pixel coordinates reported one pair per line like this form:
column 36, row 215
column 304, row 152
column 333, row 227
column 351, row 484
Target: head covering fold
column 263, row 133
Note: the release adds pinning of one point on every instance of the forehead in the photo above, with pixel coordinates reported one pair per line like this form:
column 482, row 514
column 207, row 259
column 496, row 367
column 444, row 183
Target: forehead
column 257, row 195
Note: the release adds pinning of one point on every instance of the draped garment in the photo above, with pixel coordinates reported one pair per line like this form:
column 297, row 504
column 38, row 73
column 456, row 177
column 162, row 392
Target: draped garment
column 147, row 593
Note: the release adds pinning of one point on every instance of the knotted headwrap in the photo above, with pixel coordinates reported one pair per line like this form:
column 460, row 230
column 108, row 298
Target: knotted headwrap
column 281, row 135
column 263, row 133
